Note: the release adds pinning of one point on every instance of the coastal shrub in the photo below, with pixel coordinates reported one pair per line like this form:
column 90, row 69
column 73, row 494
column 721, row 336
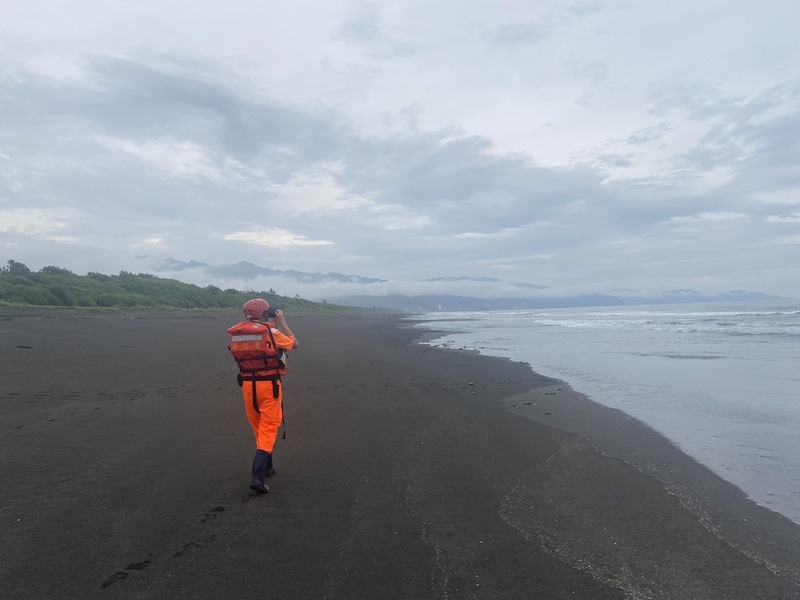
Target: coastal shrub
column 56, row 286
column 38, row 296
column 108, row 300
column 15, row 268
column 60, row 295
column 52, row 270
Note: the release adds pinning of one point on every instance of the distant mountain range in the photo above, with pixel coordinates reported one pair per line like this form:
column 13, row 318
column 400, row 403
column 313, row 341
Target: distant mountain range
column 248, row 271
column 245, row 271
column 446, row 302
column 532, row 286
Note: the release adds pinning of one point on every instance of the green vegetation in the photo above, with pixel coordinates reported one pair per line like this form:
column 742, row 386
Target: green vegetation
column 54, row 286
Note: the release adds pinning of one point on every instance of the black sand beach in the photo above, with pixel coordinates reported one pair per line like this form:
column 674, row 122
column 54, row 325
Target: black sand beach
column 406, row 472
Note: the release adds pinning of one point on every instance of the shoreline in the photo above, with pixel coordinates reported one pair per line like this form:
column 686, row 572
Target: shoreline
column 761, row 465
column 615, row 434
column 407, row 472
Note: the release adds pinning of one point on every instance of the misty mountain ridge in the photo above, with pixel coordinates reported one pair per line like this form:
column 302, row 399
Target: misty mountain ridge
column 532, row 286
column 246, row 271
column 447, row 302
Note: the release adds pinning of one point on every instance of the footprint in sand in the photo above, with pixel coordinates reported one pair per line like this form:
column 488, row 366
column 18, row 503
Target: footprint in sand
column 137, row 566
column 212, row 513
column 206, row 540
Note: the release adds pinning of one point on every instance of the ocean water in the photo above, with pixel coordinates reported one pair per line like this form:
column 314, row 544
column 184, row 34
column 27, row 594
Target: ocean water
column 721, row 381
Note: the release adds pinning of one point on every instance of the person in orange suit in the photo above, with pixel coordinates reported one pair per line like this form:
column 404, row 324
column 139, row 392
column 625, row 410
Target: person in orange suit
column 260, row 372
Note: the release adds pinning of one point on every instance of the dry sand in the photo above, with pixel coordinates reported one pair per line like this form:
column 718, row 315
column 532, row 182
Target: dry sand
column 407, row 472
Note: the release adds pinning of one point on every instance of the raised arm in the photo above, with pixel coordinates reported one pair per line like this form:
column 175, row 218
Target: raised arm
column 281, row 321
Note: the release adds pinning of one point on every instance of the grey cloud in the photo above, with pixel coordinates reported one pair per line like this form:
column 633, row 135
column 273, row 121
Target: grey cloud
column 60, row 126
column 515, row 34
column 367, row 28
column 648, row 135
column 700, row 103
column 593, row 71
column 584, row 8
column 772, row 135
column 139, row 101
column 461, row 180
column 460, row 184
column 227, row 119
column 613, row 160
column 759, row 140
column 455, row 181
column 556, row 16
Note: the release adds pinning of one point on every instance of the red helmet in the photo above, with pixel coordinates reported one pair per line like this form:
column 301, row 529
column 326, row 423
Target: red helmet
column 256, row 309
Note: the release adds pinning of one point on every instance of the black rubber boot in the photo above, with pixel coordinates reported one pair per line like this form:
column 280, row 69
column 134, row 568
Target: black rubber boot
column 270, row 467
column 260, row 465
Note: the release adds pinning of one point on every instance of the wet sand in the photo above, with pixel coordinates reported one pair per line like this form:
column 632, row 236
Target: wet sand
column 407, row 472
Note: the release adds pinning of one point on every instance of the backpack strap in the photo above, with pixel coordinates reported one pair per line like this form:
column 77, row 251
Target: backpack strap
column 276, row 390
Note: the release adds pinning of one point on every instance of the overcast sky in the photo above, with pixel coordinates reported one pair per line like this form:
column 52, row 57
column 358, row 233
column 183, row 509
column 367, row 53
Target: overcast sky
column 580, row 145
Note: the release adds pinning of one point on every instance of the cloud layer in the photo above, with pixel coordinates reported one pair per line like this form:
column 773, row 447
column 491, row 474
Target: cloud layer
column 581, row 146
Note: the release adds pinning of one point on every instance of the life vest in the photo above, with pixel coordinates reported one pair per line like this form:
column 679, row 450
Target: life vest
column 253, row 348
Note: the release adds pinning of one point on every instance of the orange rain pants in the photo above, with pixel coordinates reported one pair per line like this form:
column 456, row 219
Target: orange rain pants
column 266, row 421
